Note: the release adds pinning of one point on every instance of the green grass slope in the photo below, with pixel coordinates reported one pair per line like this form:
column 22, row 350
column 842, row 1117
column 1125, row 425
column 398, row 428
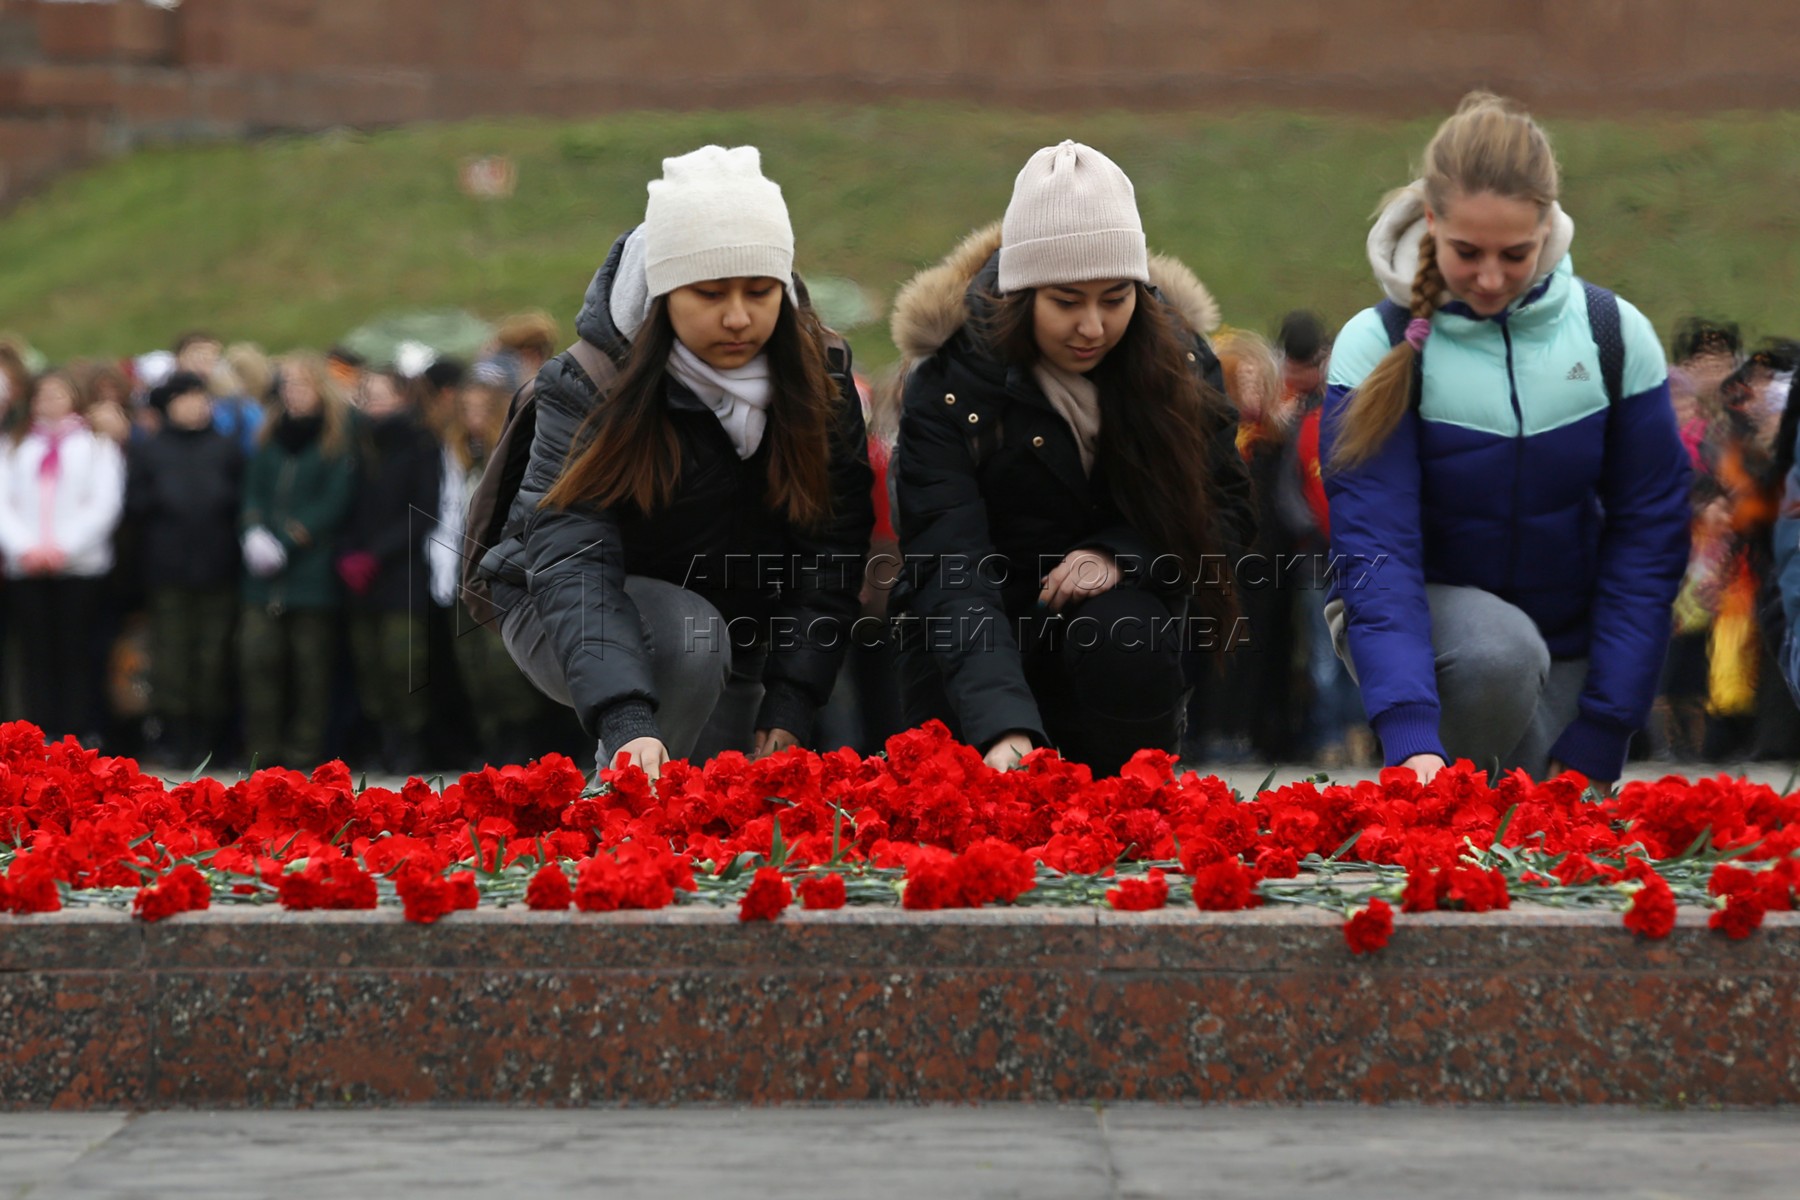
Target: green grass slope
column 294, row 241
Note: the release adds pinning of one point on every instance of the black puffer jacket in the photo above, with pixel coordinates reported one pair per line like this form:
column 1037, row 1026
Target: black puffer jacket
column 991, row 492
column 395, row 512
column 574, row 561
column 183, row 491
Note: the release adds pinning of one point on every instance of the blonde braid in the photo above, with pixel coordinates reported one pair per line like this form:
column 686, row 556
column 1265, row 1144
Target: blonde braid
column 1428, row 281
column 1378, row 404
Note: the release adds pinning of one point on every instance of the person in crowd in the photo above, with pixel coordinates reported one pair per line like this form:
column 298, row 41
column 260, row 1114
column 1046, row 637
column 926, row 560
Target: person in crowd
column 62, row 487
column 240, row 388
column 197, row 352
column 1246, row 712
column 381, row 561
column 864, row 709
column 184, row 491
column 1336, row 735
column 683, row 559
column 526, row 341
column 15, row 386
column 1736, row 497
column 434, row 393
column 1067, row 476
column 507, row 711
column 298, row 490
column 1704, row 352
column 1511, row 522
column 108, row 393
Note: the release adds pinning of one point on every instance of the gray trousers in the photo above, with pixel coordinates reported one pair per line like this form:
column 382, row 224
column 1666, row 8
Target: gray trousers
column 706, row 696
column 1504, row 699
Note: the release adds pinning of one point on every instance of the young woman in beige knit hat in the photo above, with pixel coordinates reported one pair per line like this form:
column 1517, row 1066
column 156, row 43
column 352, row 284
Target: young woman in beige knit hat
column 683, row 559
column 1067, row 479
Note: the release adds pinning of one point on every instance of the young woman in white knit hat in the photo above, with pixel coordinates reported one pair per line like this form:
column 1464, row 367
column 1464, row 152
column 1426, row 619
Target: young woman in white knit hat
column 683, row 559
column 1067, row 478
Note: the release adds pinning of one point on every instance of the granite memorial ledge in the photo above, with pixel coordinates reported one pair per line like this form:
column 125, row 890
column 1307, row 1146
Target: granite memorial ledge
column 262, row 1007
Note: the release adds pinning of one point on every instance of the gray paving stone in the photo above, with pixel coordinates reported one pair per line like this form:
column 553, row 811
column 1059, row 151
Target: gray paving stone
column 35, row 1147
column 1451, row 1154
column 943, row 1153
column 939, row 1153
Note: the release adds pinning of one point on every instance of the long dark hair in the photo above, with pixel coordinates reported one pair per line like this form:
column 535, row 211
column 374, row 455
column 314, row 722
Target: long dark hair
column 1158, row 421
column 627, row 450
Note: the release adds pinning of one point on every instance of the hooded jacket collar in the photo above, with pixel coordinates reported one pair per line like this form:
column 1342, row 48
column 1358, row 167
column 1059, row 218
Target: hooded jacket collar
column 594, row 322
column 935, row 305
column 1394, row 250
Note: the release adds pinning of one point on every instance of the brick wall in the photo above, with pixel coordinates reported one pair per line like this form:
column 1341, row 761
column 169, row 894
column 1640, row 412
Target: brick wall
column 77, row 78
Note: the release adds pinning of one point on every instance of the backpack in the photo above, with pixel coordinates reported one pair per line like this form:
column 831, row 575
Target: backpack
column 491, row 501
column 1603, row 319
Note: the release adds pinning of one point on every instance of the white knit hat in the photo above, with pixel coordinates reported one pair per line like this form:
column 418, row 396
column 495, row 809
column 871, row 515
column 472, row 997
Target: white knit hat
column 1073, row 218
column 713, row 216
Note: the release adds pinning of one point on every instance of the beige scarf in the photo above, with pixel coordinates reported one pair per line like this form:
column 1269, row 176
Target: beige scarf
column 1077, row 401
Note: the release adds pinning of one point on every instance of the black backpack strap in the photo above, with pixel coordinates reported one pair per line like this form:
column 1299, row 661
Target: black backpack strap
column 1609, row 339
column 593, row 362
column 1394, row 319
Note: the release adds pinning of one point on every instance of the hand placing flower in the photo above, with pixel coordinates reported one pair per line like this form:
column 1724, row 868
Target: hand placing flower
column 771, row 741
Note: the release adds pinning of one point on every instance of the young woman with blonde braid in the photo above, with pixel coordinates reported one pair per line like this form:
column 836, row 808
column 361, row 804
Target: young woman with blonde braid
column 1508, row 489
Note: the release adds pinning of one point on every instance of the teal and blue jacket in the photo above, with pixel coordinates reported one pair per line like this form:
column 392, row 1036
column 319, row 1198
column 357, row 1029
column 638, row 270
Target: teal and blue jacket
column 1516, row 474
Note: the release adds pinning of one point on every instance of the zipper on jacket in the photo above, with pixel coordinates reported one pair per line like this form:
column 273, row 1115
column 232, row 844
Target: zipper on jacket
column 1512, row 525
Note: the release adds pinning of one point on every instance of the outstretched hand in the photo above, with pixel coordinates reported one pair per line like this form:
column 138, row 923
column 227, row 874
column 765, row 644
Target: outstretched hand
column 1005, row 754
column 1425, row 766
column 772, row 741
column 648, row 754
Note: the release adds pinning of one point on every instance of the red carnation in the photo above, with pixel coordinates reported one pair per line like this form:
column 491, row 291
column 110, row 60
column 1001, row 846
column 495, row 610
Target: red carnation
column 549, row 890
column 1140, row 895
column 332, row 883
column 766, row 897
column 1479, row 890
column 1741, row 916
column 190, row 887
column 155, row 903
column 1652, row 908
column 931, row 880
column 182, row 890
column 1369, row 928
column 599, row 885
column 992, row 870
column 822, row 891
column 29, row 887
column 1421, row 893
column 1277, row 862
column 463, row 893
column 426, row 896
column 1225, row 886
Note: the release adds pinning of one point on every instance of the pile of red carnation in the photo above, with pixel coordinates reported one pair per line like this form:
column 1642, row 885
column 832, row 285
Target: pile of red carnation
column 927, row 824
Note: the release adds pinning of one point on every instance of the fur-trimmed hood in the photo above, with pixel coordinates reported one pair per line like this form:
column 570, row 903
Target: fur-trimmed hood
column 934, row 304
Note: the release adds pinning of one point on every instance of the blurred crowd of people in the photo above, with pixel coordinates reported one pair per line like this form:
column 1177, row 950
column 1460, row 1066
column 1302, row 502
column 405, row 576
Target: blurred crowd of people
column 212, row 552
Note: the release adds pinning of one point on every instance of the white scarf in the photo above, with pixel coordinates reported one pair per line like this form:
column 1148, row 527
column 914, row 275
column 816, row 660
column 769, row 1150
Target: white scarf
column 1077, row 400
column 738, row 397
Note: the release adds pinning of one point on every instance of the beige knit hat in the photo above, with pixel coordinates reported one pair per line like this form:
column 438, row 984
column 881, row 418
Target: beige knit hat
column 713, row 216
column 1073, row 218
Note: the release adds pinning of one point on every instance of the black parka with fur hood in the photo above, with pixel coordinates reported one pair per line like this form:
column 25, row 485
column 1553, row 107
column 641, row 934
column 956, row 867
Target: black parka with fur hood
column 990, row 489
